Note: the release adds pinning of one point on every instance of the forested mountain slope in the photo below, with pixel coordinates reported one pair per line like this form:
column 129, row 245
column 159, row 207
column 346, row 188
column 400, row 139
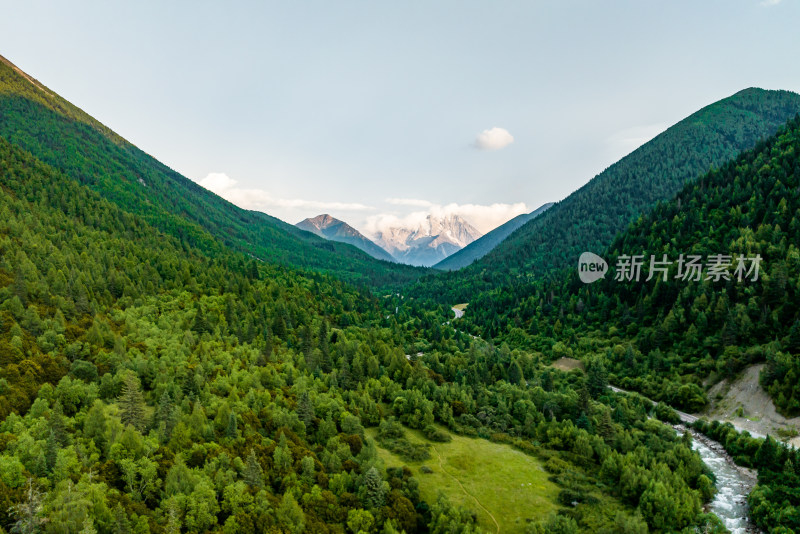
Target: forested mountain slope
column 666, row 337
column 148, row 387
column 56, row 132
column 483, row 245
column 589, row 218
column 156, row 377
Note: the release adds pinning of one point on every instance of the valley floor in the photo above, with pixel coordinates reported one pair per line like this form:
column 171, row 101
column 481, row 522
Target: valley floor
column 503, row 486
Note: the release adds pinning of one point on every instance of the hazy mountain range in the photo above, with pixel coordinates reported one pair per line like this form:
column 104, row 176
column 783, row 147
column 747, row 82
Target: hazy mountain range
column 331, row 228
column 430, row 241
column 423, row 244
column 480, row 247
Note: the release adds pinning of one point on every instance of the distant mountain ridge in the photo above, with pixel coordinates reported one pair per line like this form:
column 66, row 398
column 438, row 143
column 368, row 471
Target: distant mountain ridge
column 482, row 246
column 430, row 241
column 331, row 228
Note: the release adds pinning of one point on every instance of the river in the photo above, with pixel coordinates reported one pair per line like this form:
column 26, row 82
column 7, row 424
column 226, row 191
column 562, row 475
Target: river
column 733, row 482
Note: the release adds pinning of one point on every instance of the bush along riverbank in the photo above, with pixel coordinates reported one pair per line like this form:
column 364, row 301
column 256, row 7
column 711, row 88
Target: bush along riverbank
column 775, row 500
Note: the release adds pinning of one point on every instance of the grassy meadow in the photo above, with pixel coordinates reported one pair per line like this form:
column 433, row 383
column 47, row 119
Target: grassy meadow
column 505, row 487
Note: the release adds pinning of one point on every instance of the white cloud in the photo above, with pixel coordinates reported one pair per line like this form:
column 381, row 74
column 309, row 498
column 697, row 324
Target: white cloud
column 484, row 218
column 493, row 139
column 768, row 3
column 217, row 181
column 258, row 199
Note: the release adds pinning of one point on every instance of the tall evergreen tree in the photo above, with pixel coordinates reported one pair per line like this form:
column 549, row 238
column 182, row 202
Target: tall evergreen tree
column 253, row 473
column 131, row 402
column 231, row 430
column 375, row 492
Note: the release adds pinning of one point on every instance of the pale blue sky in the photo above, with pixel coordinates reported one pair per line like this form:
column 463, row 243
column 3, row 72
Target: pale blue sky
column 338, row 107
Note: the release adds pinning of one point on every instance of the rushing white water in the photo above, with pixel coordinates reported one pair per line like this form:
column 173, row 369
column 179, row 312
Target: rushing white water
column 733, row 485
column 733, row 482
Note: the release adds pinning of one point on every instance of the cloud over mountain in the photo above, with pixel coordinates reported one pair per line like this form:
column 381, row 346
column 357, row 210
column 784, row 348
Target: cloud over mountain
column 483, row 217
column 493, row 139
column 258, row 199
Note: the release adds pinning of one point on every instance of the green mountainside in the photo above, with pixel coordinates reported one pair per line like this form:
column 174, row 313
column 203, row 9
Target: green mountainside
column 156, row 377
column 148, row 387
column 589, row 218
column 666, row 337
column 482, row 246
column 57, row 133
column 673, row 336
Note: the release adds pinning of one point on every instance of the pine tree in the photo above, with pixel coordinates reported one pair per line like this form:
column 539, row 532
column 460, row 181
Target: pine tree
column 597, row 377
column 57, row 425
column 131, row 402
column 165, row 417
column 583, row 422
column 375, row 493
column 324, row 346
column 794, row 338
column 231, row 431
column 514, row 373
column 305, row 410
column 305, row 340
column 200, row 324
column 766, row 454
column 51, row 447
column 605, row 426
column 253, row 473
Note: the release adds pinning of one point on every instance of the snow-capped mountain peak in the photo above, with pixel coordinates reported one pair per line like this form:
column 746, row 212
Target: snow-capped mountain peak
column 429, row 241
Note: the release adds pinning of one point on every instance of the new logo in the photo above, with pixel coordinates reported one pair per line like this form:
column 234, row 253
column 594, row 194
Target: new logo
column 591, row 267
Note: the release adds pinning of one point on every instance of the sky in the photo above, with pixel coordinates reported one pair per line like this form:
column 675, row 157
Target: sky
column 379, row 113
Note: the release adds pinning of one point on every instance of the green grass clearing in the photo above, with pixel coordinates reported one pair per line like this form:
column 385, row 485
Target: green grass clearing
column 510, row 485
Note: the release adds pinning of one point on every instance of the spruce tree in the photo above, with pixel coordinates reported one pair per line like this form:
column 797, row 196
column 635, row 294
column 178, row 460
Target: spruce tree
column 514, row 373
column 597, row 377
column 57, row 423
column 131, row 402
column 231, row 431
column 374, row 491
column 253, row 473
column 794, row 338
column 165, row 416
column 51, row 447
column 305, row 410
